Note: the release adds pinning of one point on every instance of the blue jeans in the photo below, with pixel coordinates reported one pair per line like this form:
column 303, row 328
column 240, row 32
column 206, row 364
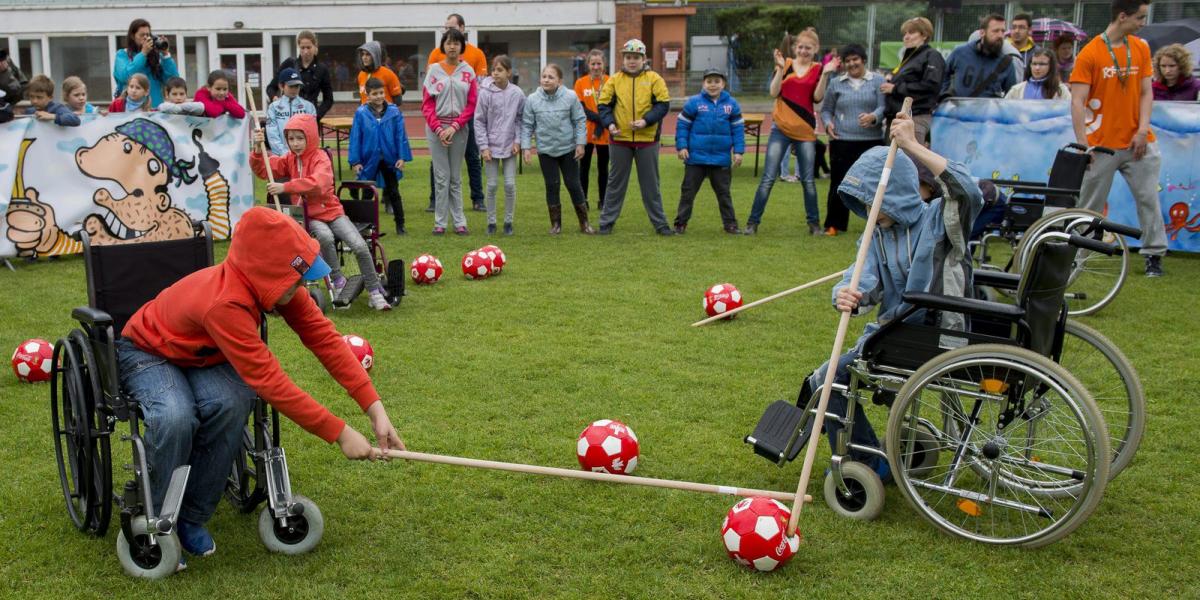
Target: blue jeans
column 193, row 417
column 862, row 433
column 777, row 145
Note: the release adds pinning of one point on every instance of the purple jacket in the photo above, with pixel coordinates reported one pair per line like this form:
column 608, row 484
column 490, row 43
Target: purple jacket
column 1184, row 90
column 498, row 115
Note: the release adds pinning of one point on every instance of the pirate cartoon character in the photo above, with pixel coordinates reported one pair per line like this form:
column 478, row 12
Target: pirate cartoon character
column 139, row 156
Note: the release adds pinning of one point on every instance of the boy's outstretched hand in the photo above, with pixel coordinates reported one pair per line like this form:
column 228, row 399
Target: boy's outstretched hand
column 385, row 434
column 355, row 446
column 847, row 299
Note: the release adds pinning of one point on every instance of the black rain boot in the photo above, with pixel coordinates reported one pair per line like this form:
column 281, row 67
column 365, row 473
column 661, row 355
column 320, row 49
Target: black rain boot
column 581, row 211
column 555, row 219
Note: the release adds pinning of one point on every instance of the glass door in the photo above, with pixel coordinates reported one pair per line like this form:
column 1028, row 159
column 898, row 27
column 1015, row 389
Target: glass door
column 245, row 70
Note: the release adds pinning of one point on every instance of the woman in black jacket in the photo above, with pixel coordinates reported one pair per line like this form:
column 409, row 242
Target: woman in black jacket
column 918, row 76
column 315, row 75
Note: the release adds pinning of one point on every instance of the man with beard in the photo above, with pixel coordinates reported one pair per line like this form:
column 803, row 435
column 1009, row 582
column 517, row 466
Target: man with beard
column 980, row 69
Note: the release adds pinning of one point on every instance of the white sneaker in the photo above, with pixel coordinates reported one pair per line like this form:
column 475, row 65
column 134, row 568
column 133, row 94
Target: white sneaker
column 377, row 301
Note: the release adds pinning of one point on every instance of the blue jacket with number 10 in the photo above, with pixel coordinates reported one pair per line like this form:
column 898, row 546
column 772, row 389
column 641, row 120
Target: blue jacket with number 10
column 710, row 129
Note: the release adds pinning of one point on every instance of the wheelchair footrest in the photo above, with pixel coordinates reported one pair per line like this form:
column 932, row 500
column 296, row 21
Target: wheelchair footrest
column 778, row 437
column 354, row 287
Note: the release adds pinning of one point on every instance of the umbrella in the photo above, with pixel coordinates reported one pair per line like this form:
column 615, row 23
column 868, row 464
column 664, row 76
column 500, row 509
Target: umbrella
column 1183, row 31
column 1048, row 29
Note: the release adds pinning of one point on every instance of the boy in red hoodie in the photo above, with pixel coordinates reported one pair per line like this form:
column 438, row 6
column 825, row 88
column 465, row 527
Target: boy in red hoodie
column 310, row 177
column 194, row 360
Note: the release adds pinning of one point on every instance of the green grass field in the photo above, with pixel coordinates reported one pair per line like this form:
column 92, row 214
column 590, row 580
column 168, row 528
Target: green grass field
column 581, row 328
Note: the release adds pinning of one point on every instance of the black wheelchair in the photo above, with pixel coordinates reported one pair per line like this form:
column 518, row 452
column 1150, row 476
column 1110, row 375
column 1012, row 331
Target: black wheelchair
column 1036, row 207
column 988, row 436
column 87, row 401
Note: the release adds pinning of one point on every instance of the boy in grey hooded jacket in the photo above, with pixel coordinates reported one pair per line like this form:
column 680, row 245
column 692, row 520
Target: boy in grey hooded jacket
column 920, row 245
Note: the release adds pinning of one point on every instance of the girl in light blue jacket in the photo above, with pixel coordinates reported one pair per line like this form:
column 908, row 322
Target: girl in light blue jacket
column 554, row 116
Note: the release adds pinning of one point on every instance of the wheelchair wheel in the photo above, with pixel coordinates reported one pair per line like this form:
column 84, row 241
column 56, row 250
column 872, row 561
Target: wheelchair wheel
column 142, row 559
column 865, row 499
column 1115, row 386
column 301, row 533
column 244, row 489
column 1022, row 455
column 1095, row 278
column 81, row 446
column 321, row 298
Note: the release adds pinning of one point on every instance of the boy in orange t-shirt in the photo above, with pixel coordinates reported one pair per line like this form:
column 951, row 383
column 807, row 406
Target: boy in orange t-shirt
column 374, row 64
column 1110, row 107
column 587, row 89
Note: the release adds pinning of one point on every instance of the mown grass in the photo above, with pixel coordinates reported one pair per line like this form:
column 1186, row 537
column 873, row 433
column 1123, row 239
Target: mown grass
column 581, row 328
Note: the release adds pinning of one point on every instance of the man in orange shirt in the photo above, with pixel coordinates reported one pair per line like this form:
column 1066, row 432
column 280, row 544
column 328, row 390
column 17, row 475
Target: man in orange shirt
column 473, row 56
column 1110, row 107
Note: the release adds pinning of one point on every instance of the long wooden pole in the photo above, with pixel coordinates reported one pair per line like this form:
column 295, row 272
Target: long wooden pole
column 590, row 475
column 843, row 324
column 727, row 314
column 263, row 146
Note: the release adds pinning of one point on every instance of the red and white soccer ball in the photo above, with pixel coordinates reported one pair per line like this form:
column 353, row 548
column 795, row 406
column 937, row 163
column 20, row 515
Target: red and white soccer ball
column 607, row 446
column 755, row 534
column 362, row 350
column 426, row 269
column 33, row 360
column 721, row 298
column 476, row 265
column 497, row 256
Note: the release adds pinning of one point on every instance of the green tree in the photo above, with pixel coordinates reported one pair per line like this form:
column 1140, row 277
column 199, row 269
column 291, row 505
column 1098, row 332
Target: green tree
column 759, row 28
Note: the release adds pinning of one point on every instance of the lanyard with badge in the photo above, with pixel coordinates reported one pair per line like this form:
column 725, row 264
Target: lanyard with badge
column 1121, row 74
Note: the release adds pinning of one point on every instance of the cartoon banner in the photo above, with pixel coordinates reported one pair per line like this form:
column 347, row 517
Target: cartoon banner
column 1017, row 139
column 123, row 178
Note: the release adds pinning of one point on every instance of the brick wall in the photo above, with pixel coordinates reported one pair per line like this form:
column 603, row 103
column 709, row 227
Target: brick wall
column 629, row 21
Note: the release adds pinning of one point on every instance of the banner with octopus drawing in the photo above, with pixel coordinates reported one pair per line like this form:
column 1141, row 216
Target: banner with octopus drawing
column 122, row 178
column 1017, row 139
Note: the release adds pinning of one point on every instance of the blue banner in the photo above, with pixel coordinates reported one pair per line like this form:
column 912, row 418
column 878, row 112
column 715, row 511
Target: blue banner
column 1017, row 139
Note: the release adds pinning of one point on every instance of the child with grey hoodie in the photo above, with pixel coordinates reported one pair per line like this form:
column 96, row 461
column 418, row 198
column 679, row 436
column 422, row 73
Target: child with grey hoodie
column 498, row 115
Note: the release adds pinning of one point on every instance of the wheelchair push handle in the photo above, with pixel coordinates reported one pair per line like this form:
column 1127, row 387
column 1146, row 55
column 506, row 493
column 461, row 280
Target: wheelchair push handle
column 1102, row 150
column 1088, row 243
column 1119, row 228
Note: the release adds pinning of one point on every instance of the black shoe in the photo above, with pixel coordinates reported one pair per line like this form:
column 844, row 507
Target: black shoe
column 666, row 231
column 605, row 229
column 1154, row 266
column 751, row 229
column 400, row 230
column 680, row 228
column 508, row 229
column 491, row 228
column 429, row 208
column 479, row 207
column 733, row 229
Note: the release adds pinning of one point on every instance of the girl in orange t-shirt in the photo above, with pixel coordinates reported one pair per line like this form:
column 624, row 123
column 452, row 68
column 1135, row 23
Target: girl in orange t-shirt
column 587, row 89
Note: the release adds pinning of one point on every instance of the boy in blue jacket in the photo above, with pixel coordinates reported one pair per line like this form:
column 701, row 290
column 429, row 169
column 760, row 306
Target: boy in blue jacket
column 379, row 146
column 43, row 107
column 709, row 128
column 283, row 108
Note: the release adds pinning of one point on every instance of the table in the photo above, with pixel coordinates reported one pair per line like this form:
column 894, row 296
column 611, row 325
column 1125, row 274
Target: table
column 340, row 128
column 753, row 125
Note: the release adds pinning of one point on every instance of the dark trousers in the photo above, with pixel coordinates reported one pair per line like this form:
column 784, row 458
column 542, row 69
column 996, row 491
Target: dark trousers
column 391, row 192
column 842, row 155
column 569, row 167
column 601, row 151
column 819, row 163
column 474, row 168
column 693, row 178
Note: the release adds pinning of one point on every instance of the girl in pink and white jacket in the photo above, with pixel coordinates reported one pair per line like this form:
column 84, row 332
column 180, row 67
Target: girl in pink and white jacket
column 448, row 103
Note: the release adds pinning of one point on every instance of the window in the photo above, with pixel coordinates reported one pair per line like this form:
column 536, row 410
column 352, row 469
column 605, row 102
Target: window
column 339, row 53
column 525, row 50
column 83, row 57
column 29, row 57
column 408, row 53
column 569, row 49
column 239, row 40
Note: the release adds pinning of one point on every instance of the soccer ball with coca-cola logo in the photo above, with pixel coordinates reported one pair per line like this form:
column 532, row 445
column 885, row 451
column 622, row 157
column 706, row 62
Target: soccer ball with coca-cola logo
column 721, row 298
column 607, row 446
column 755, row 534
column 33, row 360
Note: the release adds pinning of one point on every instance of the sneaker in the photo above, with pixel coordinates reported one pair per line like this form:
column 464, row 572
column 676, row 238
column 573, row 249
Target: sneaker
column 680, row 228
column 831, row 232
column 1154, row 266
column 182, row 564
column 666, row 232
column 439, row 230
column 195, row 539
column 376, row 300
column 790, row 178
column 491, row 228
column 883, row 470
column 605, row 230
column 751, row 229
column 461, row 230
column 732, row 228
column 400, row 230
column 814, row 229
column 479, row 207
column 508, row 229
column 337, row 286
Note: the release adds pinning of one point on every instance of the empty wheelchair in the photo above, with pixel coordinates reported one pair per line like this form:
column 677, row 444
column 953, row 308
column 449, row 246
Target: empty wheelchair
column 1036, row 207
column 988, row 437
column 87, row 401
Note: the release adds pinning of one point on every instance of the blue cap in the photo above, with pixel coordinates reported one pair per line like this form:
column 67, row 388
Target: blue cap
column 290, row 76
column 318, row 270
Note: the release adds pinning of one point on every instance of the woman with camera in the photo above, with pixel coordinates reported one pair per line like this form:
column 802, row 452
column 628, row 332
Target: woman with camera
column 147, row 54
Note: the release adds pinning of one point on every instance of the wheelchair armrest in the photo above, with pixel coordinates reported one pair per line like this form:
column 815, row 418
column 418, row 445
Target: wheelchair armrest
column 997, row 279
column 968, row 306
column 1034, row 188
column 91, row 316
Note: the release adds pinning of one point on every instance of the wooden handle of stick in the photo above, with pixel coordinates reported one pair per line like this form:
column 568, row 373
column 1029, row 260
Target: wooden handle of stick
column 727, row 314
column 843, row 324
column 263, row 146
column 590, row 475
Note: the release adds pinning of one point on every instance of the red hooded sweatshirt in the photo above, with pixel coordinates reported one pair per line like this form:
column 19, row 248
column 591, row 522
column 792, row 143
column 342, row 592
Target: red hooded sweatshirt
column 310, row 174
column 212, row 317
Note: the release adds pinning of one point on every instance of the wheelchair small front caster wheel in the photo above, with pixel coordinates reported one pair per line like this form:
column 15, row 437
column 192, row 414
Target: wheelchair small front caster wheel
column 300, row 533
column 142, row 559
column 865, row 501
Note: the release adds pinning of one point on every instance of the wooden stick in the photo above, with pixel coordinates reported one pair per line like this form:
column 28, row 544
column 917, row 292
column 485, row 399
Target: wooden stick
column 843, row 324
column 594, row 476
column 263, row 146
column 727, row 314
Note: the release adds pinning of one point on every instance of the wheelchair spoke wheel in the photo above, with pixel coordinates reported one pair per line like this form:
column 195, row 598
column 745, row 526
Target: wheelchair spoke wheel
column 99, row 428
column 297, row 534
column 1021, row 450
column 73, row 450
column 244, row 489
column 1095, row 278
column 141, row 558
column 1113, row 384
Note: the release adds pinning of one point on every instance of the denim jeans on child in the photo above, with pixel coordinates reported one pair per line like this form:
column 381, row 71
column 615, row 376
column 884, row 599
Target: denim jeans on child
column 193, row 417
column 862, row 433
column 777, row 144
